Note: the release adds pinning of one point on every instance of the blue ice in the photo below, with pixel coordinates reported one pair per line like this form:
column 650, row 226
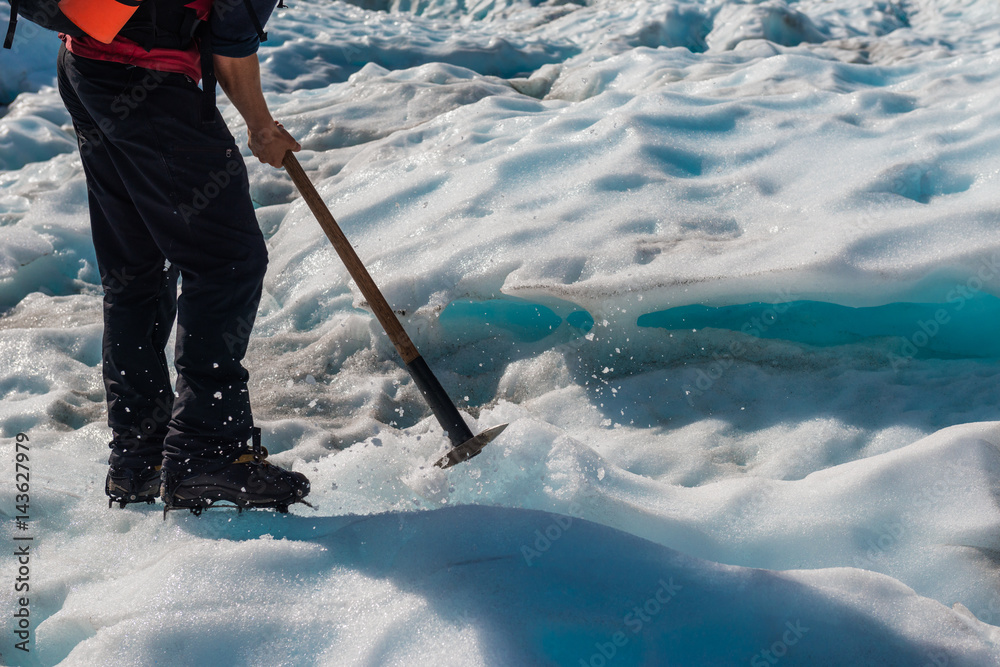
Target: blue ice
column 524, row 320
column 962, row 327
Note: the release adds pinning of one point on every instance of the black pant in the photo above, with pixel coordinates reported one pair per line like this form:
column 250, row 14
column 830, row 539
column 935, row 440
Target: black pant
column 168, row 196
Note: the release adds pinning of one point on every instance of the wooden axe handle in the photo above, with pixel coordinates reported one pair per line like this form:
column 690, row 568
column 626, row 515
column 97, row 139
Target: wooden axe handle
column 362, row 278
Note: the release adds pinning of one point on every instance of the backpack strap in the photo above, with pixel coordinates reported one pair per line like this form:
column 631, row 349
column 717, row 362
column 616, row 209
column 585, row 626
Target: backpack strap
column 208, row 80
column 162, row 24
column 12, row 25
column 256, row 20
column 150, row 40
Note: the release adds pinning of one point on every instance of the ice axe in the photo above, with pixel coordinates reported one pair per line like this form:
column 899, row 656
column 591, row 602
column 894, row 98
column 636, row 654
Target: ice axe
column 465, row 444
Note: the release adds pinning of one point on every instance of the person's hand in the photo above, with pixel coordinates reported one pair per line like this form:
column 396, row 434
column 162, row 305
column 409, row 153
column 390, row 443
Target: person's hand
column 270, row 143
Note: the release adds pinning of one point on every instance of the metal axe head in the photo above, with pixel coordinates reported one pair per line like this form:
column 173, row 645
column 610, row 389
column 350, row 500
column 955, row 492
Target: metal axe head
column 470, row 447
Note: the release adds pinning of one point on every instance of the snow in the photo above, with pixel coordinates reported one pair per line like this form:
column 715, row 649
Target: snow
column 730, row 271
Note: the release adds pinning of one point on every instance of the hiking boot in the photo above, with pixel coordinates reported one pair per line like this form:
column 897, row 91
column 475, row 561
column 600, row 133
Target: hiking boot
column 132, row 485
column 249, row 481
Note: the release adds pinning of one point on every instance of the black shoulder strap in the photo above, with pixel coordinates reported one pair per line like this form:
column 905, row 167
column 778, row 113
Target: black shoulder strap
column 12, row 26
column 208, row 80
column 150, row 40
column 256, row 20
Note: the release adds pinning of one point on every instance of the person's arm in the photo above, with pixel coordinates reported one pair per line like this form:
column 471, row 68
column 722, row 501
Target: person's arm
column 240, row 79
